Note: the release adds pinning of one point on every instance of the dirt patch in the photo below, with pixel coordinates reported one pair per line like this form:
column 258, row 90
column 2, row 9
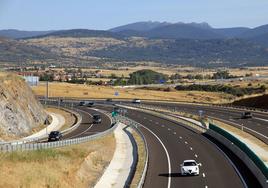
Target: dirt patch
column 255, row 102
column 75, row 166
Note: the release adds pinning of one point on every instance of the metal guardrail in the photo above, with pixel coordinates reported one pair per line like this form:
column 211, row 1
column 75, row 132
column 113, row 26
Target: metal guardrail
column 62, row 143
column 135, row 125
column 243, row 147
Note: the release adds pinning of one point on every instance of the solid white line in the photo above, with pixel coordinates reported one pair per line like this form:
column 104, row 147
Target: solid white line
column 168, row 158
column 266, row 120
column 231, row 162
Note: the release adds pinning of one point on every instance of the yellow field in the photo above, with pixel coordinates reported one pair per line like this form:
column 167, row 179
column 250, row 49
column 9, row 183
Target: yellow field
column 57, row 89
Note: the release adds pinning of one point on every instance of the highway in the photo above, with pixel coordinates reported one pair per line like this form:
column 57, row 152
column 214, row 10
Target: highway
column 258, row 123
column 87, row 127
column 170, row 143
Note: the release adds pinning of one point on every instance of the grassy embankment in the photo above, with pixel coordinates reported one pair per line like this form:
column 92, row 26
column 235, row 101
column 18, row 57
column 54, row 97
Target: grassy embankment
column 74, row 166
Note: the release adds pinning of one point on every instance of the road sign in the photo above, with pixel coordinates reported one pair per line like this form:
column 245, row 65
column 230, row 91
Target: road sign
column 114, row 114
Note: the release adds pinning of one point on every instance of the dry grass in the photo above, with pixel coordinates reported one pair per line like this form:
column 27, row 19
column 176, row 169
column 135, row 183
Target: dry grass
column 141, row 160
column 245, row 136
column 69, row 118
column 97, row 92
column 68, row 167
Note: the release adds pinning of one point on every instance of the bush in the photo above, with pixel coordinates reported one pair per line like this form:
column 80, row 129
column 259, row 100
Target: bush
column 236, row 91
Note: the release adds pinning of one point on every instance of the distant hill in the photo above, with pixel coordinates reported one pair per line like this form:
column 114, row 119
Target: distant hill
column 255, row 32
column 77, row 33
column 139, row 26
column 231, row 32
column 16, row 34
column 183, row 31
column 194, row 52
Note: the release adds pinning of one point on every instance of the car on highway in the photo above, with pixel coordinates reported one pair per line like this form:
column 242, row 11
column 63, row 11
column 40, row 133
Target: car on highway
column 54, row 136
column 190, row 167
column 116, row 109
column 109, row 100
column 89, row 103
column 246, row 115
column 82, row 103
column 136, row 101
column 96, row 118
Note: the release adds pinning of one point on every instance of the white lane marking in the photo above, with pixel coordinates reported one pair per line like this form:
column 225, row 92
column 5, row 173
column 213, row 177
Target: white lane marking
column 169, row 129
column 200, row 164
column 151, row 120
column 156, row 123
column 186, row 142
column 204, row 175
column 191, row 148
column 82, row 132
column 266, row 120
column 195, row 155
column 206, row 186
column 174, row 133
column 231, row 162
column 167, row 154
column 163, row 125
column 180, row 137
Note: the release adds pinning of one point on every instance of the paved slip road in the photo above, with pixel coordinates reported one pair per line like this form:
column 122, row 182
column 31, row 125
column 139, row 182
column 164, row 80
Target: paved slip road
column 87, row 127
column 170, row 143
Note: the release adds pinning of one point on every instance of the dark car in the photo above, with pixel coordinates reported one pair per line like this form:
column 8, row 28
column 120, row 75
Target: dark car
column 96, row 118
column 89, row 104
column 246, row 115
column 116, row 109
column 82, row 103
column 109, row 100
column 54, row 136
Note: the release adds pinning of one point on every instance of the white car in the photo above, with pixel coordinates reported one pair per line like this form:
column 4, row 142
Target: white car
column 136, row 101
column 190, row 167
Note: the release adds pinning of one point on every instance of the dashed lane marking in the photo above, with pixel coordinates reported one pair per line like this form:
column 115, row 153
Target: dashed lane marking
column 196, row 155
column 204, row 175
column 191, row 148
column 186, row 142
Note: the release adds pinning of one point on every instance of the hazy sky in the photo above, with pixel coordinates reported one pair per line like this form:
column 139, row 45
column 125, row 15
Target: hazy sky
column 105, row 14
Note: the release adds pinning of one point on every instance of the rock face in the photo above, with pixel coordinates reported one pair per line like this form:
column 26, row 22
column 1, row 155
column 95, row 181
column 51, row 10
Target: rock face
column 20, row 112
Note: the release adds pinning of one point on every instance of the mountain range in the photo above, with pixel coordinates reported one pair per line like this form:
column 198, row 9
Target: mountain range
column 196, row 44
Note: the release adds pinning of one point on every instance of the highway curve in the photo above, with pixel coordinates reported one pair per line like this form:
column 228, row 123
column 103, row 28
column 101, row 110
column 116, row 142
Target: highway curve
column 87, row 127
column 258, row 123
column 170, row 143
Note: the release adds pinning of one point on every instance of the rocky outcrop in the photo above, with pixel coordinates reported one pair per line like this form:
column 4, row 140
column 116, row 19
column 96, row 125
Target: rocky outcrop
column 20, row 112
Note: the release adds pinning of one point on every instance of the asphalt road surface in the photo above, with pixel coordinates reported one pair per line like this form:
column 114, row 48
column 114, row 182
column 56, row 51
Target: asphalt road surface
column 170, row 143
column 87, row 126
